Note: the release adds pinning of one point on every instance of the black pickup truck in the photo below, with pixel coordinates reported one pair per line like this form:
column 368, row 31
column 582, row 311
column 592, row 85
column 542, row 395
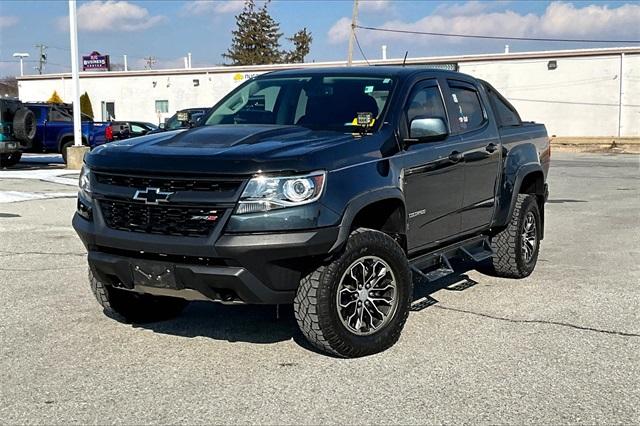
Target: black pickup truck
column 333, row 189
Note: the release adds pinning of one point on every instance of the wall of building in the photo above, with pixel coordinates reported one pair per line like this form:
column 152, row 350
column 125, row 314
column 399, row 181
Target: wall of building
column 583, row 96
column 135, row 96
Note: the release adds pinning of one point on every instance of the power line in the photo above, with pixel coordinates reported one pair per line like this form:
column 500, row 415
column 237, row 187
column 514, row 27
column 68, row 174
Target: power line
column 567, row 40
column 360, row 48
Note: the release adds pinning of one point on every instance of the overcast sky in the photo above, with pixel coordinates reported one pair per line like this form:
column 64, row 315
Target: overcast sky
column 170, row 29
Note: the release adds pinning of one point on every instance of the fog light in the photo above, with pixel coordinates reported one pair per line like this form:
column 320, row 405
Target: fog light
column 84, row 210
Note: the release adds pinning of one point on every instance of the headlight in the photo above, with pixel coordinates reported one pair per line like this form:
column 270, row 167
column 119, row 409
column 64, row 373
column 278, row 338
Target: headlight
column 85, row 182
column 264, row 193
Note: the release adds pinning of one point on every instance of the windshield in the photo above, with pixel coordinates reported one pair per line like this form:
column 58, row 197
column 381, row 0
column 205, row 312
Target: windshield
column 319, row 103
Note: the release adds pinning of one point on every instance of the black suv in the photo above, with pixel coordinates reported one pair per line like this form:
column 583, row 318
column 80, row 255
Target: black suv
column 332, row 189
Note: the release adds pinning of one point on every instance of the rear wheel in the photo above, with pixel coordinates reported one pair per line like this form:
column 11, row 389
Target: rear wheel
column 134, row 307
column 8, row 160
column 516, row 248
column 358, row 304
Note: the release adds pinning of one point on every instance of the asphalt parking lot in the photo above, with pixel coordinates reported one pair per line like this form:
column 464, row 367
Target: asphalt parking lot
column 562, row 346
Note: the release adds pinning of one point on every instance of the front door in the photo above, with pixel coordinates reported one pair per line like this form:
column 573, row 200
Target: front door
column 433, row 175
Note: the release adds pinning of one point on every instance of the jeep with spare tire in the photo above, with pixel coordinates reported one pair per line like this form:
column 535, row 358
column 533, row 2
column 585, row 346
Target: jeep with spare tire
column 17, row 130
column 332, row 189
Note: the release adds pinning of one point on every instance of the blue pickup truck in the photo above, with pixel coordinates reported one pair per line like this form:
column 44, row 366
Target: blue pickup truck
column 54, row 129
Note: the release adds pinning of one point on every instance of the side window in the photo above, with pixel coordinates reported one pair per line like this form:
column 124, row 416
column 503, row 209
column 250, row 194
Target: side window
column 136, row 129
column 59, row 114
column 468, row 112
column 505, row 114
column 301, row 107
column 425, row 102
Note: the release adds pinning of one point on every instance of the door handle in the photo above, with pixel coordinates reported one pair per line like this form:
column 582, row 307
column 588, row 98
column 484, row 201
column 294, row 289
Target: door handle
column 492, row 147
column 455, row 156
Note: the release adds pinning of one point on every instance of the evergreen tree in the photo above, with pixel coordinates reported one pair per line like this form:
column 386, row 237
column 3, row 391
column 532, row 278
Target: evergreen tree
column 85, row 105
column 256, row 39
column 55, row 98
column 301, row 46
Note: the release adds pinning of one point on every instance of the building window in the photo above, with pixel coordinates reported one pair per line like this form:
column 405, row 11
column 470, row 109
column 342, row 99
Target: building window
column 162, row 106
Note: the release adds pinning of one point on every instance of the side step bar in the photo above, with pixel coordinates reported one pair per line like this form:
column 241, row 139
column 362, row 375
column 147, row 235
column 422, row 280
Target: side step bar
column 437, row 264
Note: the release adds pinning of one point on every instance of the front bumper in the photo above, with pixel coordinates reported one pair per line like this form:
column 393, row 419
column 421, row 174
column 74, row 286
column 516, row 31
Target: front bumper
column 8, row 147
column 251, row 268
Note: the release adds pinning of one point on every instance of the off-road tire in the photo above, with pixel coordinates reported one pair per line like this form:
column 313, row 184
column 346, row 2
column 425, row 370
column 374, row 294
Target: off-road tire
column 24, row 125
column 508, row 260
column 134, row 307
column 8, row 160
column 315, row 305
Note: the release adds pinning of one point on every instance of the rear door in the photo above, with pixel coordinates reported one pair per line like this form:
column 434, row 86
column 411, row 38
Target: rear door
column 480, row 145
column 433, row 174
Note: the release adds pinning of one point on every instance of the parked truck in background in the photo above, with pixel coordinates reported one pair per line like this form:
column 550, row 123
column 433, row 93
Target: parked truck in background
column 333, row 189
column 54, row 129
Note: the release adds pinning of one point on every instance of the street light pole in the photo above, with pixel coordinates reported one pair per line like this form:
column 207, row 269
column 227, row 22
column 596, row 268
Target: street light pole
column 21, row 56
column 75, row 86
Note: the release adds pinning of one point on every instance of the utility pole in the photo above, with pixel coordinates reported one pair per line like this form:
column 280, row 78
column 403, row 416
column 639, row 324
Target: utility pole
column 151, row 60
column 42, row 58
column 352, row 34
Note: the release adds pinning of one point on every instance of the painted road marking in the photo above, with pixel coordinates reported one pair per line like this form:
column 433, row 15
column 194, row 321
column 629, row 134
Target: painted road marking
column 17, row 196
column 61, row 176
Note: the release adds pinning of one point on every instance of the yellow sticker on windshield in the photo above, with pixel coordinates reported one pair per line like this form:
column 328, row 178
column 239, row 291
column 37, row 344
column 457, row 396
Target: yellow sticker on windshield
column 355, row 122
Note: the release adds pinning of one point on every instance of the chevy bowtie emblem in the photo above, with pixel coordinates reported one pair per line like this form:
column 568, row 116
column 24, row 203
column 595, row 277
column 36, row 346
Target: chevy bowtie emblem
column 152, row 196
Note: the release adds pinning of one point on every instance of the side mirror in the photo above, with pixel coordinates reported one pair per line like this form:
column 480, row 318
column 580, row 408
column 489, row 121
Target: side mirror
column 427, row 129
column 161, row 126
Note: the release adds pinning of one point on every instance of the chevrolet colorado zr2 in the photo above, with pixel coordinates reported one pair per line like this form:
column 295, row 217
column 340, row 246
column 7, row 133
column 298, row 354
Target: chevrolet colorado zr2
column 333, row 189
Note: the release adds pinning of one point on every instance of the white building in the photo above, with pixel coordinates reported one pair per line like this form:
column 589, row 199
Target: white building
column 586, row 92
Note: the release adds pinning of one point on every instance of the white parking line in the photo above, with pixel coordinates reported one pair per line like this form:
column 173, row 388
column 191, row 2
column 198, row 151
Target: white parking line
column 17, row 196
column 53, row 176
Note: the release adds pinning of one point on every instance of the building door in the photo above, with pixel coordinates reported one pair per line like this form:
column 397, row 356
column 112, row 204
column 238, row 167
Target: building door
column 108, row 111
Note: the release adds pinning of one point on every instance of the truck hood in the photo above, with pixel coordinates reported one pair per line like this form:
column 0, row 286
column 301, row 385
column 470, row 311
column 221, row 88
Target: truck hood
column 232, row 149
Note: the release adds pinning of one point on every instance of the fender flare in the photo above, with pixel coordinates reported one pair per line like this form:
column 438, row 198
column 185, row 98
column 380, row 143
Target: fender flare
column 511, row 189
column 357, row 204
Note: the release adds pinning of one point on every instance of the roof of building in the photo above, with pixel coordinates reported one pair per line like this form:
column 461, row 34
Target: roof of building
column 432, row 60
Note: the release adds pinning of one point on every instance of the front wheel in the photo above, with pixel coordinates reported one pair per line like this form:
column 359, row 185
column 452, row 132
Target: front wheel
column 358, row 304
column 8, row 160
column 516, row 248
column 134, row 307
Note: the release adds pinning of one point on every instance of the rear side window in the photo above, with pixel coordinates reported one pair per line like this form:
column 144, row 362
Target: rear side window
column 505, row 114
column 468, row 110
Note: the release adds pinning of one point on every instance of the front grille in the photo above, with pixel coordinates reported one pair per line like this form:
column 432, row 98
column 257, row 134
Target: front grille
column 191, row 221
column 169, row 184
